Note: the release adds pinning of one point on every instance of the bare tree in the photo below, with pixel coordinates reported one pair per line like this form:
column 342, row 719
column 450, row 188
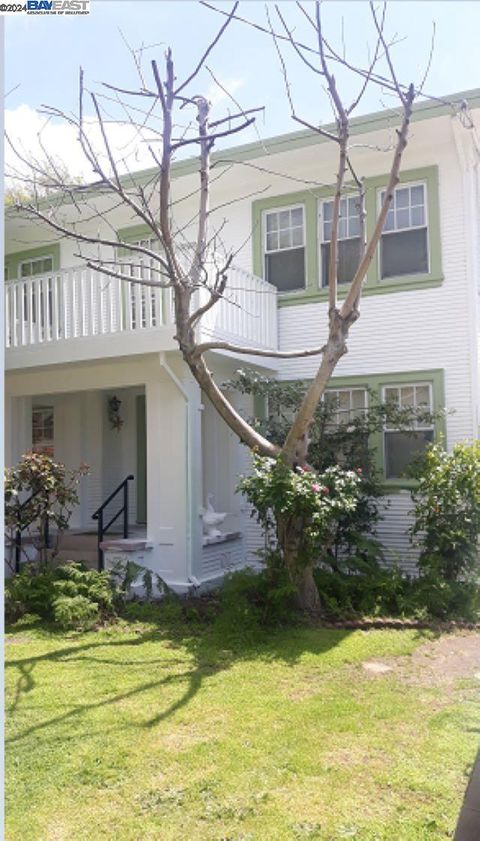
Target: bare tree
column 156, row 110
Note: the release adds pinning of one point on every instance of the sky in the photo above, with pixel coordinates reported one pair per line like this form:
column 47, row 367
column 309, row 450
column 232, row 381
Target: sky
column 43, row 56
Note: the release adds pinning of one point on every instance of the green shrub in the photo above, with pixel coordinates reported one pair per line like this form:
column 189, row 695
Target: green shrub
column 250, row 601
column 76, row 580
column 391, row 593
column 447, row 512
column 39, row 591
column 75, row 612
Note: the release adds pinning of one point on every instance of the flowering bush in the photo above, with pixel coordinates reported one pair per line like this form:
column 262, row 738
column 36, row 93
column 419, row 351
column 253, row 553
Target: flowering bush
column 281, row 495
column 54, row 491
column 447, row 511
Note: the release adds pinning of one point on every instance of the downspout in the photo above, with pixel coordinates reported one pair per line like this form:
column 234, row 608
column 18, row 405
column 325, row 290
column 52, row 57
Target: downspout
column 469, row 160
column 183, row 391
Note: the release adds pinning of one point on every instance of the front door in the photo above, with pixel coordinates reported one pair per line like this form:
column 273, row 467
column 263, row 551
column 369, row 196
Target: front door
column 141, row 476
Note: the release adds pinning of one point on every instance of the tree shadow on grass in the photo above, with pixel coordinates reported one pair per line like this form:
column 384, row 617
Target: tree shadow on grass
column 201, row 649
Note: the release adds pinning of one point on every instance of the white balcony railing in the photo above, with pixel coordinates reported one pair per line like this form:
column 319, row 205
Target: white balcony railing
column 80, row 302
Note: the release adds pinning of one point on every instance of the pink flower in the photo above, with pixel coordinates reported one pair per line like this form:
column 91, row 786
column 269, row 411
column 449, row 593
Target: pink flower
column 359, row 470
column 306, row 468
column 316, row 487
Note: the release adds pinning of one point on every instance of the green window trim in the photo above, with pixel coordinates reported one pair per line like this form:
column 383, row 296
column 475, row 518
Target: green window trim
column 15, row 259
column 373, row 284
column 375, row 383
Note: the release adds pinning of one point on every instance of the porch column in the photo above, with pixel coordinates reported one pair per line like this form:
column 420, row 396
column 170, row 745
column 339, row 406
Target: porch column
column 195, row 475
column 167, row 485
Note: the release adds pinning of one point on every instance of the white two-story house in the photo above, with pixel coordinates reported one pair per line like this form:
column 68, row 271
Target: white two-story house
column 94, row 374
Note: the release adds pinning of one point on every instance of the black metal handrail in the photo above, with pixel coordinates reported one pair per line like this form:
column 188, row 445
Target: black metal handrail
column 98, row 515
column 19, row 528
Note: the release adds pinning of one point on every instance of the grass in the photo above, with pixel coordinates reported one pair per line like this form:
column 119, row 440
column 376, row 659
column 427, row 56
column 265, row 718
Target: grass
column 137, row 733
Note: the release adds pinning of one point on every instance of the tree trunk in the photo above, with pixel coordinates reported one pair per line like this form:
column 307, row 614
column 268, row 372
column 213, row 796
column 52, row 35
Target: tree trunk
column 290, row 533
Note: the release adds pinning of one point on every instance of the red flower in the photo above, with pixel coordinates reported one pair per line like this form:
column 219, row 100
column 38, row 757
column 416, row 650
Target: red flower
column 326, row 490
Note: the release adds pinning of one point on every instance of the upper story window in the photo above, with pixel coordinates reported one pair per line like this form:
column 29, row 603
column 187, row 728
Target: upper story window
column 404, row 242
column 402, row 447
column 43, row 430
column 284, row 248
column 30, row 268
column 345, row 404
column 349, row 244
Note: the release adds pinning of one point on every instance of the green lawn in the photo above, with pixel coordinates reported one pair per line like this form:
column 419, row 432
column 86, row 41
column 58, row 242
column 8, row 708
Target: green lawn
column 134, row 733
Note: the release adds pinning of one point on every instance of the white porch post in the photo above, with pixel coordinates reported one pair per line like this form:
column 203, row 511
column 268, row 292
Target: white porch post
column 195, row 475
column 167, row 477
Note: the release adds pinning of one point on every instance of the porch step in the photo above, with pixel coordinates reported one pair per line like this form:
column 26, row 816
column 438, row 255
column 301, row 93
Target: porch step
column 90, row 559
column 78, row 542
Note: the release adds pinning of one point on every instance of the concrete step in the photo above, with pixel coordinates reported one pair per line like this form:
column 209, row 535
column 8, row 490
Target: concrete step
column 90, row 559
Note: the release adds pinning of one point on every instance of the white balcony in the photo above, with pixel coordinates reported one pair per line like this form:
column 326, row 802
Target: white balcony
column 76, row 314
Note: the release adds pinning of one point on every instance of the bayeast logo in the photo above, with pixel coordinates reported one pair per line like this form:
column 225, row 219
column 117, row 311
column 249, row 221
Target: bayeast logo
column 58, row 7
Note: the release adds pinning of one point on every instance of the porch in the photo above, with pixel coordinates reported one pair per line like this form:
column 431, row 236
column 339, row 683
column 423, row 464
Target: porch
column 74, row 314
column 142, row 417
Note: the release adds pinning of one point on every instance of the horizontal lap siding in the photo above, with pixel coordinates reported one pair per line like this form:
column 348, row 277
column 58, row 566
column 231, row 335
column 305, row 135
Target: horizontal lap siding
column 392, row 531
column 406, row 331
column 403, row 331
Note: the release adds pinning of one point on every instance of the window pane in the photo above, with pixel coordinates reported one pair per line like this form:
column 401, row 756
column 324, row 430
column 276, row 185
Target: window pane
column 47, row 265
column 286, row 269
column 389, row 221
column 348, row 260
column 26, row 270
column 297, row 216
column 417, row 194
column 404, row 253
column 418, row 216
column 342, row 228
column 344, row 401
column 358, row 398
column 272, row 222
column 297, row 236
column 423, row 396
column 391, row 396
column 285, row 239
column 327, row 210
column 401, row 449
column 403, row 218
column 327, row 231
column 284, row 219
column 407, row 397
column 353, row 207
column 402, row 197
column 272, row 241
column 354, row 226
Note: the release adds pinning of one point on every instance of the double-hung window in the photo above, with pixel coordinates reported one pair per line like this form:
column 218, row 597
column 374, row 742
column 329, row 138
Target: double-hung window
column 345, row 404
column 284, row 247
column 401, row 448
column 404, row 242
column 349, row 243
